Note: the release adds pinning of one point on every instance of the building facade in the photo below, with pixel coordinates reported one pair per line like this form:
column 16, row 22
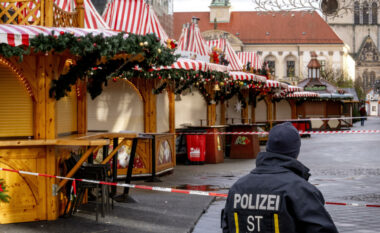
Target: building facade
column 284, row 40
column 360, row 30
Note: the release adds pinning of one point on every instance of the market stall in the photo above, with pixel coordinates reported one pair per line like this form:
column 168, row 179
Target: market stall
column 129, row 104
column 44, row 71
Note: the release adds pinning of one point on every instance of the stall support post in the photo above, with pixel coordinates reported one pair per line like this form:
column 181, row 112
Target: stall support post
column 124, row 197
column 293, row 107
column 114, row 165
column 268, row 100
column 80, row 10
column 223, row 120
column 153, row 178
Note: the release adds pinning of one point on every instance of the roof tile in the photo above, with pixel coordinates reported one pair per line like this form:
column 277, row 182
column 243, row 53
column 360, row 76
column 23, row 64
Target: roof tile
column 275, row 28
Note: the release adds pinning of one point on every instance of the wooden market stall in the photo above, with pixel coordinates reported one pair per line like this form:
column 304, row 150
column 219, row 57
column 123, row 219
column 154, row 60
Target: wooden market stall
column 130, row 104
column 40, row 64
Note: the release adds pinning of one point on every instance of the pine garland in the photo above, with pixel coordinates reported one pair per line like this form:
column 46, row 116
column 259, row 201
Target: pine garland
column 90, row 49
column 3, row 197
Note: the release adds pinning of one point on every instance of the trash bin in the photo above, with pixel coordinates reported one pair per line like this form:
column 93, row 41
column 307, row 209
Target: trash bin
column 196, row 146
column 190, row 148
column 214, row 142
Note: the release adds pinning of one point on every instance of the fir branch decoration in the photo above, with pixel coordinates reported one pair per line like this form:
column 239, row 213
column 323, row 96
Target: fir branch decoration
column 3, row 197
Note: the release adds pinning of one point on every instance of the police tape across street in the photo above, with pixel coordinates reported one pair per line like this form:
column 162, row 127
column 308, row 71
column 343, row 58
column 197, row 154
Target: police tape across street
column 300, row 132
column 258, row 201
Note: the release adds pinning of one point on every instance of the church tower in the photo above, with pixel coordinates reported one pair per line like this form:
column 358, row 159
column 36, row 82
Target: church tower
column 359, row 28
column 220, row 11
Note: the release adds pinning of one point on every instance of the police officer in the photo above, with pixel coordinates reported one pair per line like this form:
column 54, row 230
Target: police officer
column 276, row 196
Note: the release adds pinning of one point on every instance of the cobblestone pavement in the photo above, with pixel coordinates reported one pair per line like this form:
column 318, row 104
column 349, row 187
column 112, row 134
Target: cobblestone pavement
column 345, row 168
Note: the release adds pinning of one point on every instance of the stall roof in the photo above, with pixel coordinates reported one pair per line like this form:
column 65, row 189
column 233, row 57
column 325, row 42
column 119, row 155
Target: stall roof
column 238, row 75
column 92, row 19
column 231, row 56
column 192, row 45
column 251, row 57
column 133, row 16
column 15, row 35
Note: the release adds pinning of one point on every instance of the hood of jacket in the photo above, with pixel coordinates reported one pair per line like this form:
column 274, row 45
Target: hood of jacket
column 268, row 162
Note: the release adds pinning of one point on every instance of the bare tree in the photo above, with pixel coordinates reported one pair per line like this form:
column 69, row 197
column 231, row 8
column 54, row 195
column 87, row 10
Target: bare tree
column 327, row 7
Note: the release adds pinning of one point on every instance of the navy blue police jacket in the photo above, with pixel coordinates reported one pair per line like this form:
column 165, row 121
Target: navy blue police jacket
column 276, row 197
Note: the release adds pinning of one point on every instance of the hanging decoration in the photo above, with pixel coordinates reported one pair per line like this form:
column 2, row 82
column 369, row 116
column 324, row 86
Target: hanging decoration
column 3, row 196
column 98, row 57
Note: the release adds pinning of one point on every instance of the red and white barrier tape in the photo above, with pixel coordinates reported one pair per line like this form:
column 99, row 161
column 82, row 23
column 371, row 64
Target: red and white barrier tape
column 313, row 119
column 162, row 189
column 300, row 132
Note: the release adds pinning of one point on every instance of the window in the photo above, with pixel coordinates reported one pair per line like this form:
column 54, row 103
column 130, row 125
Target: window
column 272, row 67
column 373, row 108
column 365, row 13
column 323, row 66
column 372, row 78
column 374, row 13
column 365, row 79
column 290, row 68
column 356, row 13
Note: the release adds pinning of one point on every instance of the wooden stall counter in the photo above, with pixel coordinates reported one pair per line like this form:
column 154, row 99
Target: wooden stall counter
column 243, row 146
column 33, row 198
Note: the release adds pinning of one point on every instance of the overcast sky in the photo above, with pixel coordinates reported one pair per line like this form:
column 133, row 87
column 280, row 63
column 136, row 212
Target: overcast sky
column 202, row 5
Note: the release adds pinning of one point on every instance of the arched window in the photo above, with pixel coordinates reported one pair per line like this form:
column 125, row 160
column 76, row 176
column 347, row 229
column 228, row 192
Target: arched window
column 356, row 13
column 374, row 13
column 372, row 77
column 271, row 62
column 365, row 13
column 365, row 79
column 290, row 62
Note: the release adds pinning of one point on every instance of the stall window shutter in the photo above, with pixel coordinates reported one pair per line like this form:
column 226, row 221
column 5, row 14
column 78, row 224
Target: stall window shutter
column 66, row 110
column 16, row 106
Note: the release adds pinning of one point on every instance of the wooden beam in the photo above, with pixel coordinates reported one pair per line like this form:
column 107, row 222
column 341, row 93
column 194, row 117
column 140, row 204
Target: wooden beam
column 223, row 113
column 268, row 101
column 293, row 108
column 253, row 112
column 78, row 164
column 40, row 105
column 171, row 111
column 80, row 10
column 82, row 107
column 49, row 17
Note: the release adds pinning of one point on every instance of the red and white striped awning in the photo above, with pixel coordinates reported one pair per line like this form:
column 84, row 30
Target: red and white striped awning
column 302, row 94
column 276, row 84
column 251, row 57
column 231, row 56
column 133, row 16
column 217, row 67
column 238, row 75
column 192, row 45
column 15, row 35
column 92, row 19
column 187, row 64
column 293, row 89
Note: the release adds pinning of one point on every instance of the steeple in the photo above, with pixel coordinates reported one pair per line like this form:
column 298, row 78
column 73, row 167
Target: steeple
column 220, row 3
column 220, row 11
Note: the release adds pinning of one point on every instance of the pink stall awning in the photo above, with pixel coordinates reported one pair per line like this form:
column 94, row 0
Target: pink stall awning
column 230, row 55
column 251, row 57
column 133, row 16
column 16, row 35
